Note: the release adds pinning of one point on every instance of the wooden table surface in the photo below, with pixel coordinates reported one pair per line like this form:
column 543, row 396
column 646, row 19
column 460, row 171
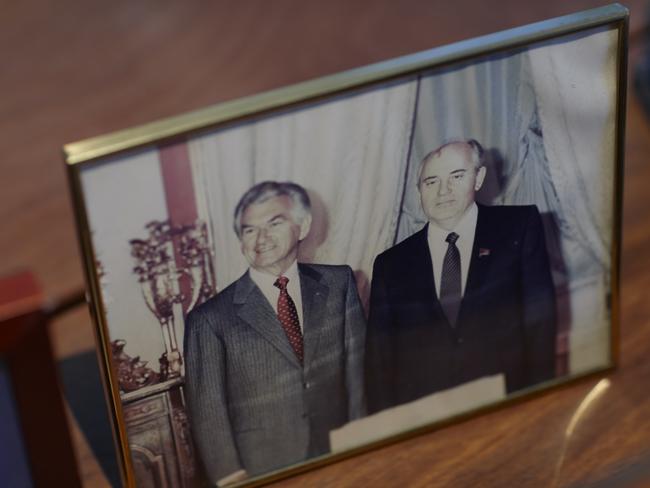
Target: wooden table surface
column 74, row 69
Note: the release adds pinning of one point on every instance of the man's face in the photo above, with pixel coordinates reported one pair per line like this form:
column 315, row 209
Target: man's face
column 448, row 183
column 269, row 236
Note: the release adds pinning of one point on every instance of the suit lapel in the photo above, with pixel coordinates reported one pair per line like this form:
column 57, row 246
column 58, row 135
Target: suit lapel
column 314, row 302
column 481, row 260
column 423, row 287
column 255, row 310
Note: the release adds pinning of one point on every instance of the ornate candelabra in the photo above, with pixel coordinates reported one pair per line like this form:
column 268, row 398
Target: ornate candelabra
column 174, row 269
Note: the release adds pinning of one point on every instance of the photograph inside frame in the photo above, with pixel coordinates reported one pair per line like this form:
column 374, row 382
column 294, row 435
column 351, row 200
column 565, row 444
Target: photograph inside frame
column 334, row 273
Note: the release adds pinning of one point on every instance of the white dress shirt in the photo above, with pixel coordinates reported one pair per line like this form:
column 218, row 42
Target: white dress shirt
column 265, row 282
column 436, row 237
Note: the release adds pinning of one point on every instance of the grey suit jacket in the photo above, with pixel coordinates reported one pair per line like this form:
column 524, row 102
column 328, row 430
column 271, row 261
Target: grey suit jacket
column 252, row 405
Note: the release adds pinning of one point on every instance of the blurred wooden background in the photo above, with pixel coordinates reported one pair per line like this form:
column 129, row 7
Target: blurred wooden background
column 75, row 69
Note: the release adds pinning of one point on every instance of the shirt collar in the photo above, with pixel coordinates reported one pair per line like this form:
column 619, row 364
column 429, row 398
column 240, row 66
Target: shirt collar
column 268, row 280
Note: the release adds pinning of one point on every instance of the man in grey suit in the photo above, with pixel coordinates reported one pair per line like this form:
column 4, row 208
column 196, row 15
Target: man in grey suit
column 275, row 360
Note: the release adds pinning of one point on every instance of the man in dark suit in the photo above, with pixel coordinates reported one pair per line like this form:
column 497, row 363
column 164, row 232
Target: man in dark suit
column 275, row 360
column 470, row 295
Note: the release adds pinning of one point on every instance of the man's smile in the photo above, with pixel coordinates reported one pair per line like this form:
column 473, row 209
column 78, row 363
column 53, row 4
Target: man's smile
column 265, row 249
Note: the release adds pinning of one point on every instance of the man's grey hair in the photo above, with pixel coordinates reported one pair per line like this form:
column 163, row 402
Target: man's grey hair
column 477, row 151
column 265, row 190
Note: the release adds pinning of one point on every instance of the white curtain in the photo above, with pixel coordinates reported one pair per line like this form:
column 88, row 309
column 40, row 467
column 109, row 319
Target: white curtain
column 575, row 85
column 350, row 154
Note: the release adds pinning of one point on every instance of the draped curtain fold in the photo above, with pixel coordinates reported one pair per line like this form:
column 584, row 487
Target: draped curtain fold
column 575, row 86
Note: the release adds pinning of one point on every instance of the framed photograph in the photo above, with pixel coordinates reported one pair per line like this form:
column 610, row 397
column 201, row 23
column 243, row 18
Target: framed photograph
column 287, row 279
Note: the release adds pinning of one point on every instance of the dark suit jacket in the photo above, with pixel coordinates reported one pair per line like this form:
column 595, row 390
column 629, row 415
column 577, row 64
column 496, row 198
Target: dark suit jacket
column 252, row 405
column 506, row 323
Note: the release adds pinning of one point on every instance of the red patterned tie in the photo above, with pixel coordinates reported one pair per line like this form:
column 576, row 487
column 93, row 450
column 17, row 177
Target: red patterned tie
column 288, row 317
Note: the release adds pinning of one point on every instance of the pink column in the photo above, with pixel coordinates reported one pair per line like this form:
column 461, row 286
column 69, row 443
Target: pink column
column 179, row 196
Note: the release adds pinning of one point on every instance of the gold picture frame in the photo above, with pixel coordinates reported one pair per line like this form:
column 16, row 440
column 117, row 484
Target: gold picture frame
column 154, row 206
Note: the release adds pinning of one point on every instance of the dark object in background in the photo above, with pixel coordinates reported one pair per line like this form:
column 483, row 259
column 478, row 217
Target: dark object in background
column 14, row 465
column 642, row 70
column 82, row 385
column 40, row 445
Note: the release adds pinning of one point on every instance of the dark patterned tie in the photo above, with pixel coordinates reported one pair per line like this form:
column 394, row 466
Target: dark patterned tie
column 450, row 284
column 288, row 316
